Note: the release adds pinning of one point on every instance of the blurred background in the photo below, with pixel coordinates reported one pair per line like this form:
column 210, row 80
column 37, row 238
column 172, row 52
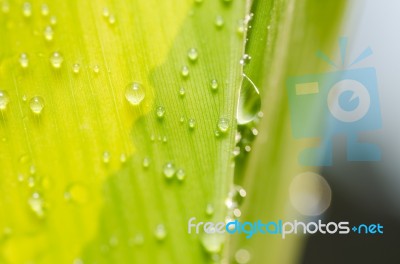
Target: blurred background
column 367, row 192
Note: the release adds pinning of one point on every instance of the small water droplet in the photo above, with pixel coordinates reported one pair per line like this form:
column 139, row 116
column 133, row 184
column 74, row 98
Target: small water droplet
column 24, row 60
column 106, row 12
column 245, row 59
column 36, row 204
column 236, row 151
column 160, row 232
column 36, row 104
column 4, row 99
column 146, row 162
column 247, row 148
column 237, row 212
column 27, row 9
column 192, row 123
column 44, row 9
column 5, row 7
column 48, row 33
column 254, row 131
column 249, row 103
column 212, row 243
column 152, row 137
column 214, row 84
column 122, row 158
column 219, row 21
column 242, row 256
column 53, row 20
column 76, row 67
column 180, row 174
column 169, row 170
column 56, row 59
column 241, row 27
column 185, row 71
column 111, row 19
column 24, row 98
column 209, row 209
column 192, row 54
column 182, row 119
column 137, row 240
column 32, row 170
column 134, row 93
column 21, row 177
column 165, row 139
column 182, row 91
column 106, row 157
column 96, row 68
column 160, row 111
column 217, row 133
column 223, row 124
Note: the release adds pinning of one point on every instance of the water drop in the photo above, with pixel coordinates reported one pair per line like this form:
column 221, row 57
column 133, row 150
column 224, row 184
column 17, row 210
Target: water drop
column 134, row 93
column 185, row 71
column 212, row 243
column 164, row 139
column 254, row 131
column 169, row 170
column 249, row 103
column 53, row 20
column 182, row 119
column 111, row 19
column 209, row 209
column 96, row 68
column 36, row 104
column 106, row 12
column 245, row 59
column 56, row 60
column 44, row 9
column 27, row 9
column 223, row 124
column 4, row 99
column 192, row 123
column 236, row 151
column 160, row 111
column 182, row 91
column 219, row 21
column 237, row 212
column 214, row 84
column 146, row 162
column 5, row 7
column 247, row 148
column 36, row 204
column 180, row 174
column 242, row 256
column 76, row 67
column 122, row 158
column 106, row 157
column 24, row 60
column 241, row 27
column 192, row 54
column 160, row 232
column 217, row 133
column 32, row 170
column 48, row 33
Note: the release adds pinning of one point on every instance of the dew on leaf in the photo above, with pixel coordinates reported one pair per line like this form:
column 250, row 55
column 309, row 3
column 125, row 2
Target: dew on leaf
column 36, row 204
column 160, row 112
column 76, row 67
column 27, row 9
column 185, row 71
column 134, row 93
column 192, row 54
column 96, row 68
column 214, row 84
column 191, row 123
column 44, row 10
column 242, row 256
column 4, row 99
column 160, row 232
column 223, row 124
column 249, row 103
column 48, row 33
column 219, row 21
column 106, row 157
column 111, row 19
column 24, row 60
column 146, row 162
column 53, row 20
column 36, row 104
column 169, row 170
column 56, row 59
column 180, row 174
column 209, row 209
column 182, row 91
